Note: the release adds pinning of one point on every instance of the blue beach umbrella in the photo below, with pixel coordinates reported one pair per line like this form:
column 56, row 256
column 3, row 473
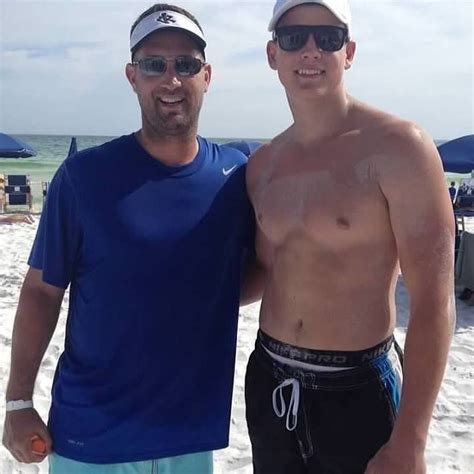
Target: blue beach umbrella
column 458, row 155
column 14, row 148
column 247, row 147
column 72, row 147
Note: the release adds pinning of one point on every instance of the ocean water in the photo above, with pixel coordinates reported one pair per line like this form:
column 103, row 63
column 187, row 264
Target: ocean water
column 53, row 149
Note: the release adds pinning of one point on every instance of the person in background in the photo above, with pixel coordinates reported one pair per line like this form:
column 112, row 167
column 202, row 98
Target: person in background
column 463, row 189
column 344, row 198
column 151, row 231
column 16, row 219
column 452, row 191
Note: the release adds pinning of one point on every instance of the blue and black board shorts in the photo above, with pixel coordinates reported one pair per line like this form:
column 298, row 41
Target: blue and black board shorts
column 320, row 421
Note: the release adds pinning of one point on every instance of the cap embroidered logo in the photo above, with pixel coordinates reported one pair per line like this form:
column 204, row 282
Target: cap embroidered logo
column 165, row 18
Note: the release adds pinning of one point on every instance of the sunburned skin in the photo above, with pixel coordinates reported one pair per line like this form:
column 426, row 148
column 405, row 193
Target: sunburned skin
column 325, row 236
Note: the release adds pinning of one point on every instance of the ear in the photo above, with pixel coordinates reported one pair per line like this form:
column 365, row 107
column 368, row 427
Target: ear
column 207, row 76
column 271, row 54
column 130, row 72
column 350, row 53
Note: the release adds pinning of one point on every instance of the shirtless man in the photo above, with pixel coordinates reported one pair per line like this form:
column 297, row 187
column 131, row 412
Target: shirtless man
column 344, row 198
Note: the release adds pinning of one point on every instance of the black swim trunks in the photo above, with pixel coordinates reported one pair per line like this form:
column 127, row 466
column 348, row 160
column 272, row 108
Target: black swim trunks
column 324, row 412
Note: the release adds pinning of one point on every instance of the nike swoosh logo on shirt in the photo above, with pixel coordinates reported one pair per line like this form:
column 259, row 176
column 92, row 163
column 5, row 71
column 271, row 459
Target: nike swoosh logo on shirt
column 227, row 172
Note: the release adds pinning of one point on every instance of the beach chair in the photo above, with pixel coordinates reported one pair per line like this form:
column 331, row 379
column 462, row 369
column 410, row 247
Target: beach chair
column 16, row 191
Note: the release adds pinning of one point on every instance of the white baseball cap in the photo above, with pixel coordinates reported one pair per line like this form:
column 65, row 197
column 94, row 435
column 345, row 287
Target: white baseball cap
column 165, row 19
column 339, row 8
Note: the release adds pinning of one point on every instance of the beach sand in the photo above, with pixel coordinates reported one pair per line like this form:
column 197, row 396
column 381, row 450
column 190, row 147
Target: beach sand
column 451, row 439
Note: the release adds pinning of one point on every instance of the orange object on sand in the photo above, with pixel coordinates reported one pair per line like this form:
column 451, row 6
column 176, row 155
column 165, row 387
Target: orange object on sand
column 38, row 446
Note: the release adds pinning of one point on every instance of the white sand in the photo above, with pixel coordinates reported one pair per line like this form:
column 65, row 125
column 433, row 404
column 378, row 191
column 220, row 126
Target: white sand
column 450, row 448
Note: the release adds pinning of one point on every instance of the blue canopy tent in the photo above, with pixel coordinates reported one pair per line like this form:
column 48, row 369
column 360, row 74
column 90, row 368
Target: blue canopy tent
column 458, row 155
column 14, row 148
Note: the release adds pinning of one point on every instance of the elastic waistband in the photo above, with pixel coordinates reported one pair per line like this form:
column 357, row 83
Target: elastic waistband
column 377, row 368
column 327, row 358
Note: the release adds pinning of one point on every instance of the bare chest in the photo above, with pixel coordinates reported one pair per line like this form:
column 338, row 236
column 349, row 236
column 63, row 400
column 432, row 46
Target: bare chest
column 333, row 200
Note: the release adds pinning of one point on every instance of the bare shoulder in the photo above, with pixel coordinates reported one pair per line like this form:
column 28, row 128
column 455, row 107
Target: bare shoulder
column 399, row 147
column 392, row 130
column 406, row 141
column 409, row 152
column 261, row 161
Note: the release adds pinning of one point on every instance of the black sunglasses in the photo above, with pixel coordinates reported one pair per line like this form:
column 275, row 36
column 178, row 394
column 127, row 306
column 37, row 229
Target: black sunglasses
column 184, row 66
column 327, row 37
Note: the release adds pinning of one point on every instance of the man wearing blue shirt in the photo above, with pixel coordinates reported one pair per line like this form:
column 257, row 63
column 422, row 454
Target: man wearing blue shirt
column 150, row 231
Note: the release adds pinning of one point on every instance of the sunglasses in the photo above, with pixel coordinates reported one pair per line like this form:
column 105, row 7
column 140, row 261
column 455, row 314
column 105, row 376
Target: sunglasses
column 184, row 66
column 327, row 37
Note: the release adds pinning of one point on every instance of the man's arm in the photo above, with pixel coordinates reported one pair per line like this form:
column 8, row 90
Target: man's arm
column 35, row 322
column 422, row 220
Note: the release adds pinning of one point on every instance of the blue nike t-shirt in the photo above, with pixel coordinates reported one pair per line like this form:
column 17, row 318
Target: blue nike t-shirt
column 153, row 255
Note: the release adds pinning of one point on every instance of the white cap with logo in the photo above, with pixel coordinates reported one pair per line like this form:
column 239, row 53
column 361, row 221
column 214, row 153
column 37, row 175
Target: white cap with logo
column 165, row 19
column 339, row 8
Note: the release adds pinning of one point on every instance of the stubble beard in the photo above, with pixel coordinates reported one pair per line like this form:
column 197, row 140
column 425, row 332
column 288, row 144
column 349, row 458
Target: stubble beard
column 174, row 125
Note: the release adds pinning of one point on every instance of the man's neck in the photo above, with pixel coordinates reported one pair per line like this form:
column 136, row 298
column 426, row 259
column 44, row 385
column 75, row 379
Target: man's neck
column 320, row 119
column 170, row 150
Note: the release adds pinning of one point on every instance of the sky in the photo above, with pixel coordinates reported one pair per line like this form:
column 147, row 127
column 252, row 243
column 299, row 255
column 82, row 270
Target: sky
column 62, row 66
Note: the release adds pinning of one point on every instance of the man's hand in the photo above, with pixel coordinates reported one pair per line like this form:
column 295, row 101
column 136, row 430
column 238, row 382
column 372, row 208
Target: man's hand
column 392, row 460
column 20, row 429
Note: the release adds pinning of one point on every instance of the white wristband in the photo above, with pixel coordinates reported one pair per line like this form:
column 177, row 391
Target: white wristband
column 14, row 405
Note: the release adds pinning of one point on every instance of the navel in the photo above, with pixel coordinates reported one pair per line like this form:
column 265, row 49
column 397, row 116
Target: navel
column 343, row 223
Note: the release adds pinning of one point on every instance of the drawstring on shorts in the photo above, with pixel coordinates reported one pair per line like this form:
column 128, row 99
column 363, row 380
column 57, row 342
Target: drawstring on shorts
column 292, row 413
